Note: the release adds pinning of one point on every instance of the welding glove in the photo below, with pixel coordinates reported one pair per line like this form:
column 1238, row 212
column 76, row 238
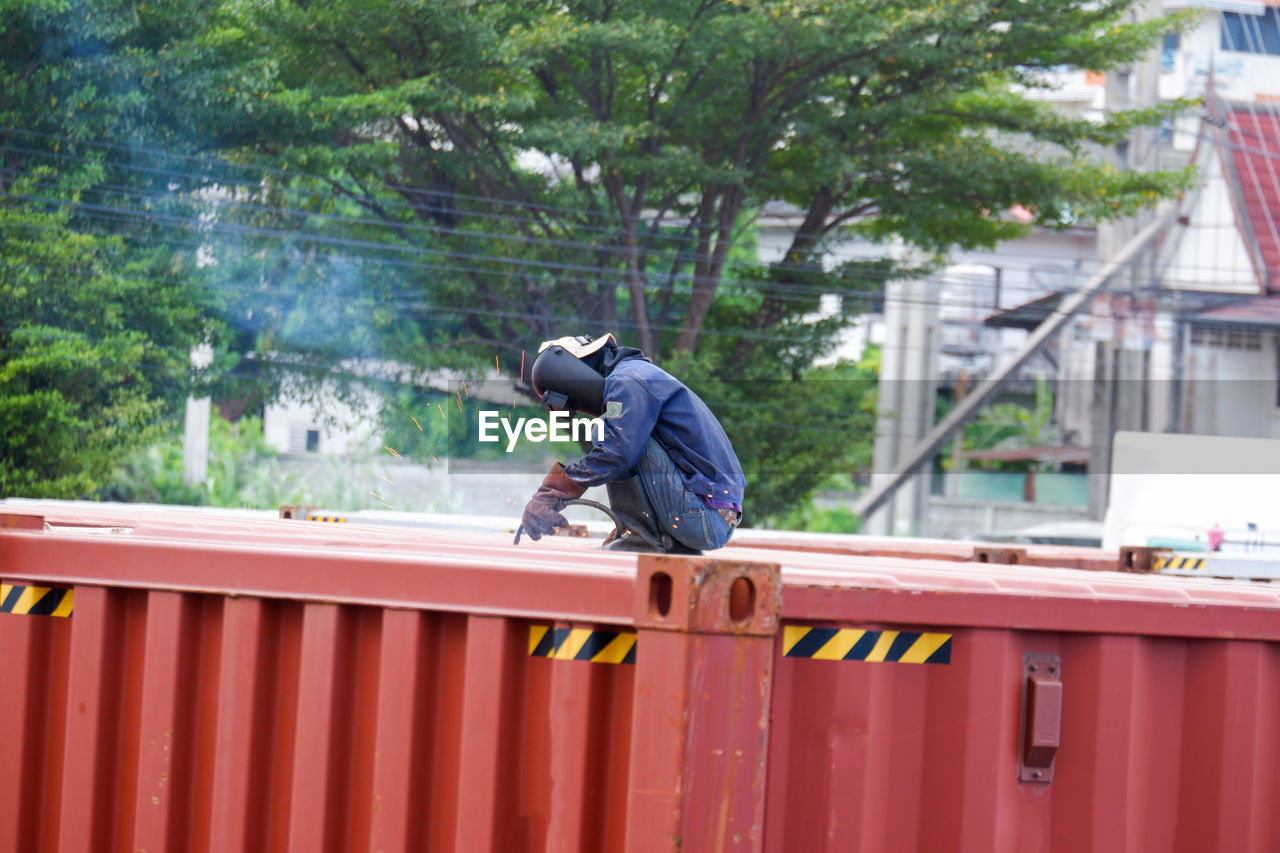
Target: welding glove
column 542, row 513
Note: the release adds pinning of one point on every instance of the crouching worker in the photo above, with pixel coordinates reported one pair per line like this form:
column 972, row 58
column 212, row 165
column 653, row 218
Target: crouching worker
column 672, row 476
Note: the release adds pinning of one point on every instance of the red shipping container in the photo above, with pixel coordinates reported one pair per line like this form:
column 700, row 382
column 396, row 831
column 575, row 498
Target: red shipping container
column 197, row 681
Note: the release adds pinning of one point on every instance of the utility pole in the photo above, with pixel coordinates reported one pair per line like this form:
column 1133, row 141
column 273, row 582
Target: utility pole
column 195, row 434
column 1120, row 371
column 906, row 401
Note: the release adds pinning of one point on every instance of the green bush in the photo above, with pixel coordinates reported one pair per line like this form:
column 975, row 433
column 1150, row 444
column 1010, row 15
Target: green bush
column 243, row 471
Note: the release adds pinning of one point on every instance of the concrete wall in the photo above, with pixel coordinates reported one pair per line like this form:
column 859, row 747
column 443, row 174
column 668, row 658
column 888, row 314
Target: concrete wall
column 473, row 488
column 1231, row 387
column 342, row 427
column 962, row 518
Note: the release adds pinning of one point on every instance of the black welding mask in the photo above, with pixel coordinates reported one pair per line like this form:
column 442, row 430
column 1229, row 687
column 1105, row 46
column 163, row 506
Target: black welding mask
column 567, row 374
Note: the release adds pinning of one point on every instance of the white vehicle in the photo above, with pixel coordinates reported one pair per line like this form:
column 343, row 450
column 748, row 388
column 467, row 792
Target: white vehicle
column 1194, row 493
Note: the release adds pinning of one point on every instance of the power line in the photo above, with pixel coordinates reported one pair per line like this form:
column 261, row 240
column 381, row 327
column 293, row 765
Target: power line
column 763, row 286
column 278, row 232
column 755, row 285
column 542, row 241
column 791, row 293
column 208, row 161
column 414, row 297
column 564, row 319
column 380, row 202
column 656, row 280
column 744, row 286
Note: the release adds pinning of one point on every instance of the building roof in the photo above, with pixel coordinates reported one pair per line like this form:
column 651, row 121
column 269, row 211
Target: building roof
column 1056, row 454
column 1253, row 156
column 1260, row 312
column 1028, row 315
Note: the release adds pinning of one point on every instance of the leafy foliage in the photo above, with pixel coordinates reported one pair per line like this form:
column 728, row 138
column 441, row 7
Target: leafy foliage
column 791, row 434
column 816, row 519
column 96, row 321
column 429, row 426
column 243, row 471
column 1011, row 425
column 524, row 166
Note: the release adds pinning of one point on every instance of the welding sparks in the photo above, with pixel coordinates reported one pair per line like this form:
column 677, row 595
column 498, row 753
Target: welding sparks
column 459, row 396
column 388, row 479
column 415, row 423
column 387, row 505
column 392, row 452
column 375, row 494
column 435, row 460
column 522, row 364
column 496, row 368
column 442, row 414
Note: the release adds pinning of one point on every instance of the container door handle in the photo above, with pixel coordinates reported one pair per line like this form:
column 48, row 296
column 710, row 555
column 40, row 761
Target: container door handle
column 1041, row 716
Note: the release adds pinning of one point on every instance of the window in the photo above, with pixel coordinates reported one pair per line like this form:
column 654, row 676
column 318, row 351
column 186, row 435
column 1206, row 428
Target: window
column 1252, row 33
column 1277, row 345
column 1225, row 338
column 1169, row 54
column 303, row 438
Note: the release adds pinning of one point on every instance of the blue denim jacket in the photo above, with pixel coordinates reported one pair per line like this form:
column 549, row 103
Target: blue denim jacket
column 642, row 399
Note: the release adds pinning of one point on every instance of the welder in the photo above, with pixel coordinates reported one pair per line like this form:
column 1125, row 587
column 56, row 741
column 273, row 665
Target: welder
column 672, row 477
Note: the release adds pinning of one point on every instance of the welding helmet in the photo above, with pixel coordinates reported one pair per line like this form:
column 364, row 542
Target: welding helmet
column 565, row 376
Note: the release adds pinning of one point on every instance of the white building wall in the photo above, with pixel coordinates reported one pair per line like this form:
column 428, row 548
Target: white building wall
column 343, row 428
column 774, row 237
column 1231, row 388
column 1208, row 253
column 1146, row 335
column 1036, row 264
column 1237, row 76
column 1073, row 92
column 1027, row 268
column 1185, row 72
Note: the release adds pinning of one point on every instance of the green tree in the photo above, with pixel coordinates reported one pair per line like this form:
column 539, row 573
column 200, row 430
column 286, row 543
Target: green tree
column 243, row 471
column 1011, row 425
column 478, row 176
column 792, row 434
column 538, row 162
column 96, row 320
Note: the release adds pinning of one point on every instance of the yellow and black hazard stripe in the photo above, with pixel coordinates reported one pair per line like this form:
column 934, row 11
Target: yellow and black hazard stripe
column 799, row 641
column 333, row 519
column 587, row 644
column 1195, row 564
column 36, row 600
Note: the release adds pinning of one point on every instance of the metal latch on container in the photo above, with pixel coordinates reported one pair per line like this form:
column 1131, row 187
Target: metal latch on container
column 1041, row 716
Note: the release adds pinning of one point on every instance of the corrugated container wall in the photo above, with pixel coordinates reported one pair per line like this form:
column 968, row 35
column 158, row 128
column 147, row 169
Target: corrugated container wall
column 181, row 681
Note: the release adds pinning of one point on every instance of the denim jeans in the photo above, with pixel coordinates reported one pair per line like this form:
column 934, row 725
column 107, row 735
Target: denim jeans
column 678, row 511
